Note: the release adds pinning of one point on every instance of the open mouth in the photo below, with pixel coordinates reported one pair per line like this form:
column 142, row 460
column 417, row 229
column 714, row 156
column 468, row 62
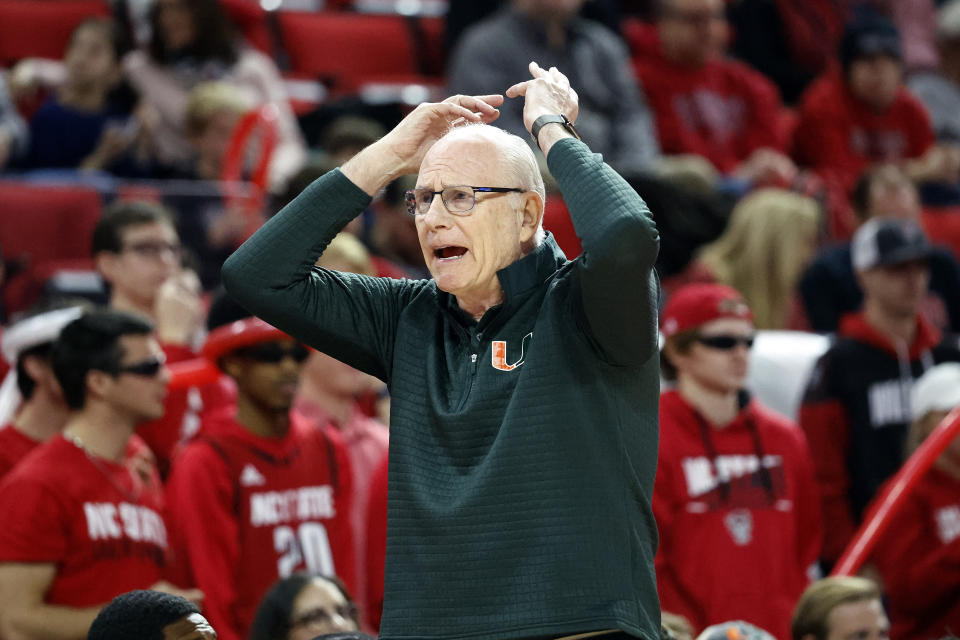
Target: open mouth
column 449, row 253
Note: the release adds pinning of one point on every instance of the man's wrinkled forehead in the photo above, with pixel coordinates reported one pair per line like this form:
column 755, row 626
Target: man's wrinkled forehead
column 462, row 159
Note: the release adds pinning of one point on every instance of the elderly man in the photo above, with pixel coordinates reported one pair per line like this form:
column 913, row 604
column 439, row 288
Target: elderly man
column 524, row 386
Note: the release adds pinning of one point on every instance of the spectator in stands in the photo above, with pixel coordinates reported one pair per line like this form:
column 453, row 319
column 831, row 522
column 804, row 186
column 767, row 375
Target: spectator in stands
column 274, row 488
column 150, row 615
column 137, row 251
column 939, row 88
column 771, row 237
column 735, row 496
column 302, row 607
column 329, row 395
column 711, row 106
column 840, row 607
column 192, row 43
column 734, row 630
column 83, row 514
column 613, row 118
column 40, row 411
column 14, row 135
column 212, row 112
column 856, row 407
column 862, row 114
column 918, row 554
column 829, row 287
column 90, row 121
column 376, row 546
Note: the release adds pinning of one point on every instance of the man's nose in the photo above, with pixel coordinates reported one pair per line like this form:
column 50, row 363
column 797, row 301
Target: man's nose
column 436, row 214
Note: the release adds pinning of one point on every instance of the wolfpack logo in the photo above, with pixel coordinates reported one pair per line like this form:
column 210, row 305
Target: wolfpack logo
column 498, row 354
column 740, row 525
column 700, row 476
column 948, row 523
column 889, row 403
column 250, row 477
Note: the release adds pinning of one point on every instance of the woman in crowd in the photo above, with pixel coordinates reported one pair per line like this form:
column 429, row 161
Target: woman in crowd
column 770, row 239
column 191, row 43
column 301, row 607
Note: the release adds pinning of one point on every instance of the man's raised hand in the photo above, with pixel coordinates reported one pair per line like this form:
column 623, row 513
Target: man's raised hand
column 547, row 93
column 401, row 151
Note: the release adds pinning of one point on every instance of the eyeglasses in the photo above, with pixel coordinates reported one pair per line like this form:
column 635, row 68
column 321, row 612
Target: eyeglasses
column 321, row 616
column 458, row 200
column 147, row 368
column 275, row 352
column 725, row 343
column 150, row 249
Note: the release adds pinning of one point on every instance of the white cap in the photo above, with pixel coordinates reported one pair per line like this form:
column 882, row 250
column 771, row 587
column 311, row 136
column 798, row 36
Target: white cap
column 948, row 21
column 936, row 390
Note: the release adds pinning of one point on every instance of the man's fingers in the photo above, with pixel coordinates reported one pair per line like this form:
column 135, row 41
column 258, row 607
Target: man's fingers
column 519, row 89
column 487, row 103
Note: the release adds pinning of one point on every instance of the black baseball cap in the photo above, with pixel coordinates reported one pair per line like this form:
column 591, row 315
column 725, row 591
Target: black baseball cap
column 888, row 241
column 869, row 34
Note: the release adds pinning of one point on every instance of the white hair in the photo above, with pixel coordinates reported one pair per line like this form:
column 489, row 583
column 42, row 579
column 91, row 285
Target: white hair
column 518, row 163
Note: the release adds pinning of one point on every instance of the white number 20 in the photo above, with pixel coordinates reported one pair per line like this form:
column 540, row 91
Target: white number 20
column 309, row 544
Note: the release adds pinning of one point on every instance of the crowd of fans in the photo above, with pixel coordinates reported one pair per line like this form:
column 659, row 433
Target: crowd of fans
column 791, row 153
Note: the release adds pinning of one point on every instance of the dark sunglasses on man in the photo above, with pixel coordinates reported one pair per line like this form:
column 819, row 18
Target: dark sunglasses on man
column 726, row 342
column 147, row 368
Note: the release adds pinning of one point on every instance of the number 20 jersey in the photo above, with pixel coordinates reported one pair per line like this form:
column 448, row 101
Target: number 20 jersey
column 246, row 510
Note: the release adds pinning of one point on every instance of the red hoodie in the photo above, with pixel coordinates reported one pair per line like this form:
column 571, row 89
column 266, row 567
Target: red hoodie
column 723, row 111
column 739, row 549
column 919, row 558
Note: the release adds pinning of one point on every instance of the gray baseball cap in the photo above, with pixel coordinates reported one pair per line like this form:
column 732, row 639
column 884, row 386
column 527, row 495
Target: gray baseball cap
column 888, row 241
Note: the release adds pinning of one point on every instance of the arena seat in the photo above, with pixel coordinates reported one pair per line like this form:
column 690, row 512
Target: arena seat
column 780, row 366
column 942, row 224
column 251, row 21
column 42, row 28
column 346, row 50
column 43, row 225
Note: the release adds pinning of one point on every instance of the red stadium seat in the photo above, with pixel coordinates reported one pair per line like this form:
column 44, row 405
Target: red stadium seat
column 41, row 225
column 250, row 20
column 349, row 50
column 42, row 28
column 942, row 224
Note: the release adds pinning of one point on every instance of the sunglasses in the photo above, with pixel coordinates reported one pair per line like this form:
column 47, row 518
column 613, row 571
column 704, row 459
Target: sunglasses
column 725, row 343
column 275, row 352
column 147, row 368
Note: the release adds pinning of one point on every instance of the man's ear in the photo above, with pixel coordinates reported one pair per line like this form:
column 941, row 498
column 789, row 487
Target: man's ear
column 107, row 264
column 98, row 382
column 531, row 216
column 230, row 366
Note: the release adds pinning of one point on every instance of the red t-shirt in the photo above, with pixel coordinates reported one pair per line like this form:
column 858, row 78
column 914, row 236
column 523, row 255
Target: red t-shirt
column 732, row 545
column 246, row 510
column 723, row 111
column 14, row 447
column 101, row 523
column 919, row 558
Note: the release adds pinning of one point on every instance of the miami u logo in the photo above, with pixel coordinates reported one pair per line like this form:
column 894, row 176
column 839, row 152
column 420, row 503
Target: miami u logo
column 498, row 354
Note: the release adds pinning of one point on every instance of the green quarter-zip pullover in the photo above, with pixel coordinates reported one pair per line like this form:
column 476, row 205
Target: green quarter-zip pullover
column 523, row 447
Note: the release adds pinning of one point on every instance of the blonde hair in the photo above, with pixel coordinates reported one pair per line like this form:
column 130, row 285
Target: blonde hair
column 763, row 251
column 209, row 98
column 822, row 597
column 346, row 249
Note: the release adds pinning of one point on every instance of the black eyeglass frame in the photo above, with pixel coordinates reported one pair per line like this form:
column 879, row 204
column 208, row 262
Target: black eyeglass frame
column 410, row 197
column 726, row 342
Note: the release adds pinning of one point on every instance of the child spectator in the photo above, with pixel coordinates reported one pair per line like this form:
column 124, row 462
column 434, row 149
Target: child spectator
column 192, row 43
column 89, row 122
column 771, row 237
column 919, row 553
column 735, row 497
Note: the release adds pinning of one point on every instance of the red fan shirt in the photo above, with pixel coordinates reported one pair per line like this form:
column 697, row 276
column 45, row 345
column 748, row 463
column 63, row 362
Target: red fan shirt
column 14, row 447
column 919, row 558
column 738, row 514
column 246, row 510
column 101, row 523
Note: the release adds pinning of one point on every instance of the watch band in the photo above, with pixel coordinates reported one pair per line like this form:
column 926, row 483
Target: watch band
column 551, row 119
